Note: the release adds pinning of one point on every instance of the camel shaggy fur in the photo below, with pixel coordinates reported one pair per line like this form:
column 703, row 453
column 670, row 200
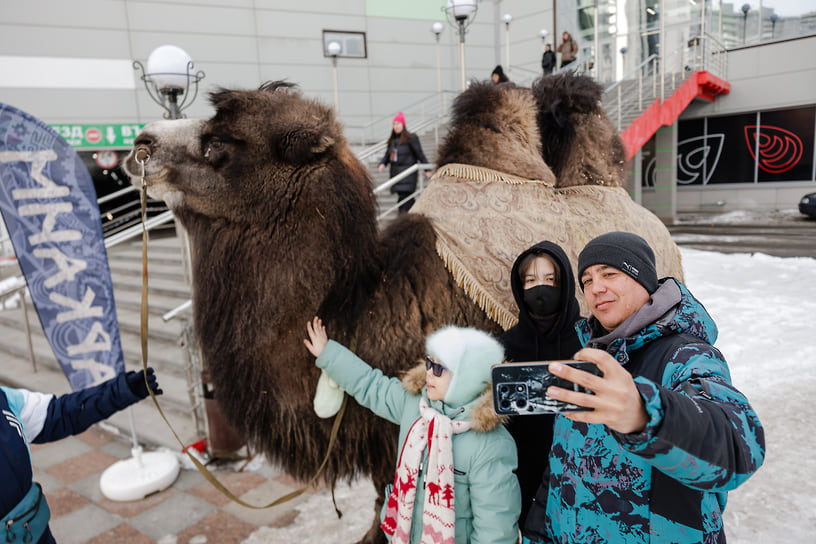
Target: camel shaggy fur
column 281, row 220
column 494, row 126
column 578, row 140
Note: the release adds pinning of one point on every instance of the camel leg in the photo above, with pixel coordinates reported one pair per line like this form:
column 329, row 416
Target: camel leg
column 375, row 535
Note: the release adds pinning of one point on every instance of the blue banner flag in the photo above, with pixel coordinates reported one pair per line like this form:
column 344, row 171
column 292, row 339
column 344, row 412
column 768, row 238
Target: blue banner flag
column 48, row 203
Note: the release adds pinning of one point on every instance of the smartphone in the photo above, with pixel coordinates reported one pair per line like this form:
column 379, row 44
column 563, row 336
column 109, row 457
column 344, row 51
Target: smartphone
column 521, row 388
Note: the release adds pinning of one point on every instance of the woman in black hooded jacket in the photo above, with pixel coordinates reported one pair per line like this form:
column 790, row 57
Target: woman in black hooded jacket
column 548, row 311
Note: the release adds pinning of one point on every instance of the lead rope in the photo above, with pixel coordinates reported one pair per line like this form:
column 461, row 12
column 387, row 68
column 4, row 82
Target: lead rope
column 142, row 158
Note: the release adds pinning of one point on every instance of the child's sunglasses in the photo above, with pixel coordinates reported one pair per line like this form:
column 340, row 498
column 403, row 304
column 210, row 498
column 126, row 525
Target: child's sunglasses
column 433, row 366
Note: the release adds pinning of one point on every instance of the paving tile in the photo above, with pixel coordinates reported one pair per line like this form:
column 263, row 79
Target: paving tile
column 188, row 479
column 285, row 520
column 65, row 500
column 263, row 494
column 237, row 483
column 46, row 455
column 119, row 448
column 88, row 487
column 219, row 527
column 122, row 534
column 47, row 481
column 172, row 516
column 81, row 466
column 288, row 480
column 95, row 437
column 81, row 525
column 131, row 509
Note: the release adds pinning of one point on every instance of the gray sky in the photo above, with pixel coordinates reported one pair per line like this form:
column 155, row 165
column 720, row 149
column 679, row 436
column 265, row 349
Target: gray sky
column 783, row 8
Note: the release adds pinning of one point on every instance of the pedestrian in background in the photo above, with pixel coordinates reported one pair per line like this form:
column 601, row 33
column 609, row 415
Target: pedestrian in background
column 403, row 151
column 498, row 75
column 548, row 60
column 568, row 49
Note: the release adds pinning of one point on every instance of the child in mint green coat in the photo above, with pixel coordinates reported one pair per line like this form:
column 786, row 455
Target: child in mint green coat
column 455, row 477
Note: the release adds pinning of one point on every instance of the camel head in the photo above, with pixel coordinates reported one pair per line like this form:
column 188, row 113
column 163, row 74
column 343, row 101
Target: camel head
column 263, row 152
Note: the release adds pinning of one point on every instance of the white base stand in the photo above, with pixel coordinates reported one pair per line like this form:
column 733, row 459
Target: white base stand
column 135, row 478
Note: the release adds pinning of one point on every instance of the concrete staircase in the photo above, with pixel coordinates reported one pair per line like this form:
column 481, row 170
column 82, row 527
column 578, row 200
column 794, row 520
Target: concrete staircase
column 167, row 289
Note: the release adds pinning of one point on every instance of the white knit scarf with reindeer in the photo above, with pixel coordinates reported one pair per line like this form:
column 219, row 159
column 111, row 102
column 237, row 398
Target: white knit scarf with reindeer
column 433, row 431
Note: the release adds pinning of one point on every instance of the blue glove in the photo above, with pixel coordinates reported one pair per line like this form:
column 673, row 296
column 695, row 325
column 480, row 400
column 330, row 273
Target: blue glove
column 136, row 383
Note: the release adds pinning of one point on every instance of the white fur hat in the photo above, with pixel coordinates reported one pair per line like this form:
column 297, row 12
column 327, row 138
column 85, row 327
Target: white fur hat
column 468, row 354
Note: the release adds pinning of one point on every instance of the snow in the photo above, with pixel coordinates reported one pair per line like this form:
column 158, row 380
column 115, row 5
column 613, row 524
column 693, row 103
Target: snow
column 762, row 306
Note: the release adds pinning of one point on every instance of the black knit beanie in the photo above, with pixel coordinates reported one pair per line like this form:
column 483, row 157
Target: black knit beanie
column 625, row 251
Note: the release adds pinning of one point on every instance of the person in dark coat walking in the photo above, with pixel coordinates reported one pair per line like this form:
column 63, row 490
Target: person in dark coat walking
column 544, row 288
column 403, row 151
column 548, row 60
column 31, row 417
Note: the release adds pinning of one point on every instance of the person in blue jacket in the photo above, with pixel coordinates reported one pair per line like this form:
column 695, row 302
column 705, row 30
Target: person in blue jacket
column 454, row 481
column 32, row 417
column 668, row 435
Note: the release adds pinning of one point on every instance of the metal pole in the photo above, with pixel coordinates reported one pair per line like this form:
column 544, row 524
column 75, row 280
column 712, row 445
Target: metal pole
column 334, row 77
column 438, row 92
column 701, row 64
column 27, row 327
column 507, row 25
column 462, row 51
column 596, row 69
column 172, row 100
column 662, row 48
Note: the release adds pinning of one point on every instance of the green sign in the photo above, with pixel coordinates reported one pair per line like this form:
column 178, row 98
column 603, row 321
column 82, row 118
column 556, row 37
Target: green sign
column 428, row 10
column 99, row 136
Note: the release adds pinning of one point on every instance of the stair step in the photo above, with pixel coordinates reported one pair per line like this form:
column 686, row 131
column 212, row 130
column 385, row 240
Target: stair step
column 163, row 351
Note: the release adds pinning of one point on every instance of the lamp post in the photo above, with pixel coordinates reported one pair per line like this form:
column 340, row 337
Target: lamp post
column 507, row 18
column 437, row 28
column 334, row 49
column 460, row 14
column 745, row 9
column 774, row 19
column 168, row 76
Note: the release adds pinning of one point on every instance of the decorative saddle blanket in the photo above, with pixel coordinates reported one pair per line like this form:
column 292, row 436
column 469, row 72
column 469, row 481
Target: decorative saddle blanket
column 484, row 219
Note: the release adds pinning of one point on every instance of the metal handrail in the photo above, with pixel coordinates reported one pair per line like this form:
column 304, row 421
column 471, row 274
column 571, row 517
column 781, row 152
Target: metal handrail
column 418, row 167
column 118, row 238
column 117, row 194
column 626, row 99
column 431, row 105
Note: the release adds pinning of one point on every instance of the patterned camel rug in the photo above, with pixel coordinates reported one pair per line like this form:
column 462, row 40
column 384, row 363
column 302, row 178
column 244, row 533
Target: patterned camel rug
column 484, row 219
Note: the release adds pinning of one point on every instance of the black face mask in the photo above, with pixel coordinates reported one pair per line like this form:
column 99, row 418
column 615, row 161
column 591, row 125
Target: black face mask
column 542, row 299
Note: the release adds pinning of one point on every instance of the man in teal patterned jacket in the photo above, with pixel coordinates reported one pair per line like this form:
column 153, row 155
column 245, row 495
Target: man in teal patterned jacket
column 668, row 435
